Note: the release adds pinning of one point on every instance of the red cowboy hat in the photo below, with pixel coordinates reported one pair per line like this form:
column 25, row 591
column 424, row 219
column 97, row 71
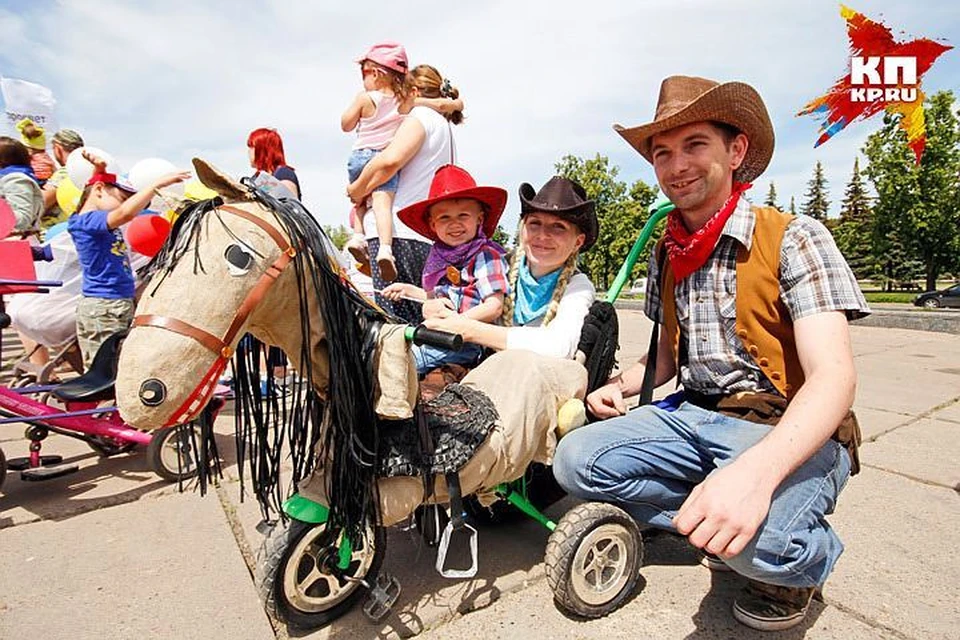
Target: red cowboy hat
column 450, row 182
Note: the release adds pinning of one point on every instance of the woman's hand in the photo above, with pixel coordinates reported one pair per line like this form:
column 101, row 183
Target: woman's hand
column 355, row 195
column 400, row 290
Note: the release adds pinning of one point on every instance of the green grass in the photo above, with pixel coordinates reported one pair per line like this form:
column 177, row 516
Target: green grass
column 876, row 296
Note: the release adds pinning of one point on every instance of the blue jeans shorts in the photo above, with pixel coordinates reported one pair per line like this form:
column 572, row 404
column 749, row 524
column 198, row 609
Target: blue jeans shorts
column 359, row 159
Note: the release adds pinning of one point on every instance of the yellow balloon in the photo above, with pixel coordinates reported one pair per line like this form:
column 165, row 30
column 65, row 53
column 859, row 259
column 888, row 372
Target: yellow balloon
column 170, row 215
column 196, row 190
column 68, row 196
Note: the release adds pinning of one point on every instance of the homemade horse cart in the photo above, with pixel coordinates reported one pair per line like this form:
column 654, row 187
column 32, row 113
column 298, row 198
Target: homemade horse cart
column 366, row 453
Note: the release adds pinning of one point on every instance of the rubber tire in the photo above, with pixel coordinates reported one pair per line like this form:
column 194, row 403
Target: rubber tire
column 931, row 303
column 3, row 468
column 155, row 454
column 272, row 560
column 562, row 547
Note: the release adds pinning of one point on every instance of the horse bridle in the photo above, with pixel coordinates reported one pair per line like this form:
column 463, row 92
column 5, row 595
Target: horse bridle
column 221, row 346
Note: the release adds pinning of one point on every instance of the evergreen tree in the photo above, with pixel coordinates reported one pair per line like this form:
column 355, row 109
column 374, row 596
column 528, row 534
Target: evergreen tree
column 817, row 204
column 771, row 199
column 793, row 206
column 853, row 231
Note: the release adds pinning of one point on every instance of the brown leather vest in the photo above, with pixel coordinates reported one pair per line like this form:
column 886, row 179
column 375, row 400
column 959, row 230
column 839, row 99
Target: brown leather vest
column 762, row 322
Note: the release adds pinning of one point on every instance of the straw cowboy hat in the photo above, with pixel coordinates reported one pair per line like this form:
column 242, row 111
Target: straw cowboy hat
column 451, row 182
column 685, row 100
column 565, row 199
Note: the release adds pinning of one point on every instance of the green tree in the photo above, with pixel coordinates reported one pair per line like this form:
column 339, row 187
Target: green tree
column 916, row 214
column 621, row 213
column 793, row 207
column 338, row 235
column 501, row 236
column 817, row 204
column 853, row 231
column 771, row 199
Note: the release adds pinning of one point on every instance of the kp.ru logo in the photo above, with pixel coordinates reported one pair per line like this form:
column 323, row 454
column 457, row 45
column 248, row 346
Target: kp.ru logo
column 897, row 70
column 884, row 75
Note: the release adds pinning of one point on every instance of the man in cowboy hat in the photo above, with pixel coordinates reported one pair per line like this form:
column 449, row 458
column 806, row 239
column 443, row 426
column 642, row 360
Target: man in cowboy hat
column 754, row 306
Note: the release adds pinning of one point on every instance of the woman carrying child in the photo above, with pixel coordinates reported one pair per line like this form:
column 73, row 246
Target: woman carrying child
column 465, row 271
column 375, row 114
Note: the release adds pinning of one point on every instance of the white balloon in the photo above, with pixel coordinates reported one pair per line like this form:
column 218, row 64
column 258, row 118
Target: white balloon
column 149, row 170
column 80, row 169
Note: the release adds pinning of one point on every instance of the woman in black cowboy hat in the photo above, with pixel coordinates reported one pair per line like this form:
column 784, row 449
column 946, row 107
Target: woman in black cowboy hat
column 549, row 298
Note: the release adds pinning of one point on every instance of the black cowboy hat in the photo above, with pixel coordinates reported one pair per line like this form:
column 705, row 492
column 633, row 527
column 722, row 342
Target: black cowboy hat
column 565, row 199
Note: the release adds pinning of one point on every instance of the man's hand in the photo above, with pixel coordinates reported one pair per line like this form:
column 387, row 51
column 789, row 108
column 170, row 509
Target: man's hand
column 722, row 513
column 607, row 401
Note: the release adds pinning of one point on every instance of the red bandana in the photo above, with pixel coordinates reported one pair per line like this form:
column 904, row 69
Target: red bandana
column 689, row 251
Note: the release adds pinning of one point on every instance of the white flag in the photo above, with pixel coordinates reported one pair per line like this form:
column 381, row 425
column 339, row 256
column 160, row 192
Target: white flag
column 24, row 99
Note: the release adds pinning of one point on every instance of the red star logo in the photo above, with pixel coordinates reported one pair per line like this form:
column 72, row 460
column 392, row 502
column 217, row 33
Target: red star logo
column 840, row 105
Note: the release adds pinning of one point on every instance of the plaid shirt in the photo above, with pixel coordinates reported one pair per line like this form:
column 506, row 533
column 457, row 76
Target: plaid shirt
column 814, row 278
column 483, row 276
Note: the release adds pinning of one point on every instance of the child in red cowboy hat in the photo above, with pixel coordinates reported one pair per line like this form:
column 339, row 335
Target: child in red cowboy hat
column 465, row 271
column 108, row 202
column 376, row 114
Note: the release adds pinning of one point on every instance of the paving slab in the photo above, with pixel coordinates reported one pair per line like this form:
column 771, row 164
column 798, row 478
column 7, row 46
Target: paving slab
column 927, row 450
column 874, row 422
column 900, row 568
column 676, row 598
column 950, row 413
column 163, row 567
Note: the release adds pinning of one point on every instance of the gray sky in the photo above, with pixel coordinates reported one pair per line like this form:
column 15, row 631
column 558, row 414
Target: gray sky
column 176, row 79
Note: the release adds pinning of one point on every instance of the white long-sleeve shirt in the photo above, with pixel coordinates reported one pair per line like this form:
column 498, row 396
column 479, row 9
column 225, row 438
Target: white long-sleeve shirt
column 561, row 336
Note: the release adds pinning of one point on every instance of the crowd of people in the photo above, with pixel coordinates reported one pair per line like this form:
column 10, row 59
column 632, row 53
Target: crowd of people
column 746, row 460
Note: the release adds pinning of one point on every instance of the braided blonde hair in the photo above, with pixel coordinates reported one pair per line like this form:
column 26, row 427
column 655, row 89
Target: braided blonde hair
column 569, row 268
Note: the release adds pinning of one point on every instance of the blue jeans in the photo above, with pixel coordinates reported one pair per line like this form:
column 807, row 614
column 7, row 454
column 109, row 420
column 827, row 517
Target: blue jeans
column 358, row 160
column 649, row 460
column 429, row 358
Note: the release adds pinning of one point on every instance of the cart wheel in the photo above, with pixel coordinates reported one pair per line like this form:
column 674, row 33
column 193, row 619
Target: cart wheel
column 172, row 452
column 291, row 579
column 107, row 446
column 593, row 559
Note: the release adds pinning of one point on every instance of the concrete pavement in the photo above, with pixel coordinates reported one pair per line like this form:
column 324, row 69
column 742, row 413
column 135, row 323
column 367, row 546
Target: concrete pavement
column 114, row 552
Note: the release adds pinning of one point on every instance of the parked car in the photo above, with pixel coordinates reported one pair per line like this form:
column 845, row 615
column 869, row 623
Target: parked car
column 949, row 297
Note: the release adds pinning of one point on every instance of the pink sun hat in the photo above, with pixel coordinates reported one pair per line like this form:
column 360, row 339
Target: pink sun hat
column 387, row 54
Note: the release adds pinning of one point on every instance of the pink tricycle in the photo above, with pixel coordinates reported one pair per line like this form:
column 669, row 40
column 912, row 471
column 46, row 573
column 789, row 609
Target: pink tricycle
column 170, row 451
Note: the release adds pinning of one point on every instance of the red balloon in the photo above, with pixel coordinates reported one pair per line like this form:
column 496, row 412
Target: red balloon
column 146, row 234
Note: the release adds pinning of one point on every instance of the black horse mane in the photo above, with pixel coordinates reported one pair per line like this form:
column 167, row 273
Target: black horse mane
column 265, row 422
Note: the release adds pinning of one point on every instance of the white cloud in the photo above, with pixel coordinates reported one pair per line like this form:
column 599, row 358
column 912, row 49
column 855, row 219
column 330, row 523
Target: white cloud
column 540, row 79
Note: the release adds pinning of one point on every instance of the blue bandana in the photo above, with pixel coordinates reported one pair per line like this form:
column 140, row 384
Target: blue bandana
column 533, row 296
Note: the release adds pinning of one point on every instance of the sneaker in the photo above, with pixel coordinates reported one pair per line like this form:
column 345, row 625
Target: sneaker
column 714, row 563
column 357, row 246
column 768, row 607
column 388, row 267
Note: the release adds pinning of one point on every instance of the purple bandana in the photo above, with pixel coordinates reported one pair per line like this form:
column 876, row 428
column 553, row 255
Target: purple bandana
column 443, row 255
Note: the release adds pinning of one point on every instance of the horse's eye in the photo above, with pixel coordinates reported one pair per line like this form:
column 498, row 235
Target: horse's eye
column 239, row 259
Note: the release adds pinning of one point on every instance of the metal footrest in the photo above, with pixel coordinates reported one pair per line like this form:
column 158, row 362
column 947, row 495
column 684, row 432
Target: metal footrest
column 48, row 473
column 383, row 595
column 445, row 546
column 19, row 464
